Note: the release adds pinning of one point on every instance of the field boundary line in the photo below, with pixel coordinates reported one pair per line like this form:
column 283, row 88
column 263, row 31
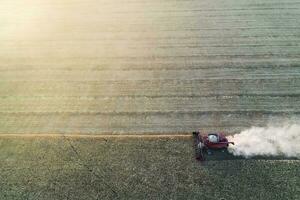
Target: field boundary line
column 54, row 135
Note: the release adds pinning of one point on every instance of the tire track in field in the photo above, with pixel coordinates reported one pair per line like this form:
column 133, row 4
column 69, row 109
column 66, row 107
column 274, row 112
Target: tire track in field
column 100, row 177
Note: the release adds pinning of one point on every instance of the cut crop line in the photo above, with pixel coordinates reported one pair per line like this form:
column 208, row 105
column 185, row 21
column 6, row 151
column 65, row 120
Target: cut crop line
column 59, row 135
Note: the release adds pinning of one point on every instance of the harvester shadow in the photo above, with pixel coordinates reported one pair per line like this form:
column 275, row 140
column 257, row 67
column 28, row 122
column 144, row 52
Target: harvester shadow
column 220, row 155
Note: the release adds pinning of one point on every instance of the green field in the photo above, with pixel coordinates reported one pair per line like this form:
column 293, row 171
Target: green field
column 65, row 168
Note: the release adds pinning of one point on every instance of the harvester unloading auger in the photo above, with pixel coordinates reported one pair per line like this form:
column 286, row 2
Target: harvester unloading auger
column 204, row 143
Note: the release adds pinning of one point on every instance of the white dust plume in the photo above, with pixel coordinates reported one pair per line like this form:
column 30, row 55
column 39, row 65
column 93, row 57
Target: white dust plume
column 268, row 141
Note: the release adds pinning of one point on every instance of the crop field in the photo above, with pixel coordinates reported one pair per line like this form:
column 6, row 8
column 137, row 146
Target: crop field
column 140, row 68
column 148, row 66
column 64, row 168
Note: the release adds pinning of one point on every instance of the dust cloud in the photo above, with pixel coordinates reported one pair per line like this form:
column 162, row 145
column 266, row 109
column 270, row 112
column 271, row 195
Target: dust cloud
column 273, row 140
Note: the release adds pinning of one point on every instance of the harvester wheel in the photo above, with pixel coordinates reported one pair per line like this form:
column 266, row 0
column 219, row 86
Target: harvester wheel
column 200, row 152
column 201, row 155
column 199, row 146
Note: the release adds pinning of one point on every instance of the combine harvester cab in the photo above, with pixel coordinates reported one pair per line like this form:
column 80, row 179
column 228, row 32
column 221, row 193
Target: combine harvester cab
column 205, row 144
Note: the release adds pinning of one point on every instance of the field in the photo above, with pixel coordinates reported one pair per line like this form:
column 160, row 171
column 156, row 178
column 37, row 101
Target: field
column 36, row 168
column 148, row 66
column 138, row 67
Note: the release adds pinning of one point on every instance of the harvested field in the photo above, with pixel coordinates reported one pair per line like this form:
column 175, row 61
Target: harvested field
column 97, row 71
column 148, row 66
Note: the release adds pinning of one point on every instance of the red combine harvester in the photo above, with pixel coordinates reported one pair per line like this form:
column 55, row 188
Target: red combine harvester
column 205, row 143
